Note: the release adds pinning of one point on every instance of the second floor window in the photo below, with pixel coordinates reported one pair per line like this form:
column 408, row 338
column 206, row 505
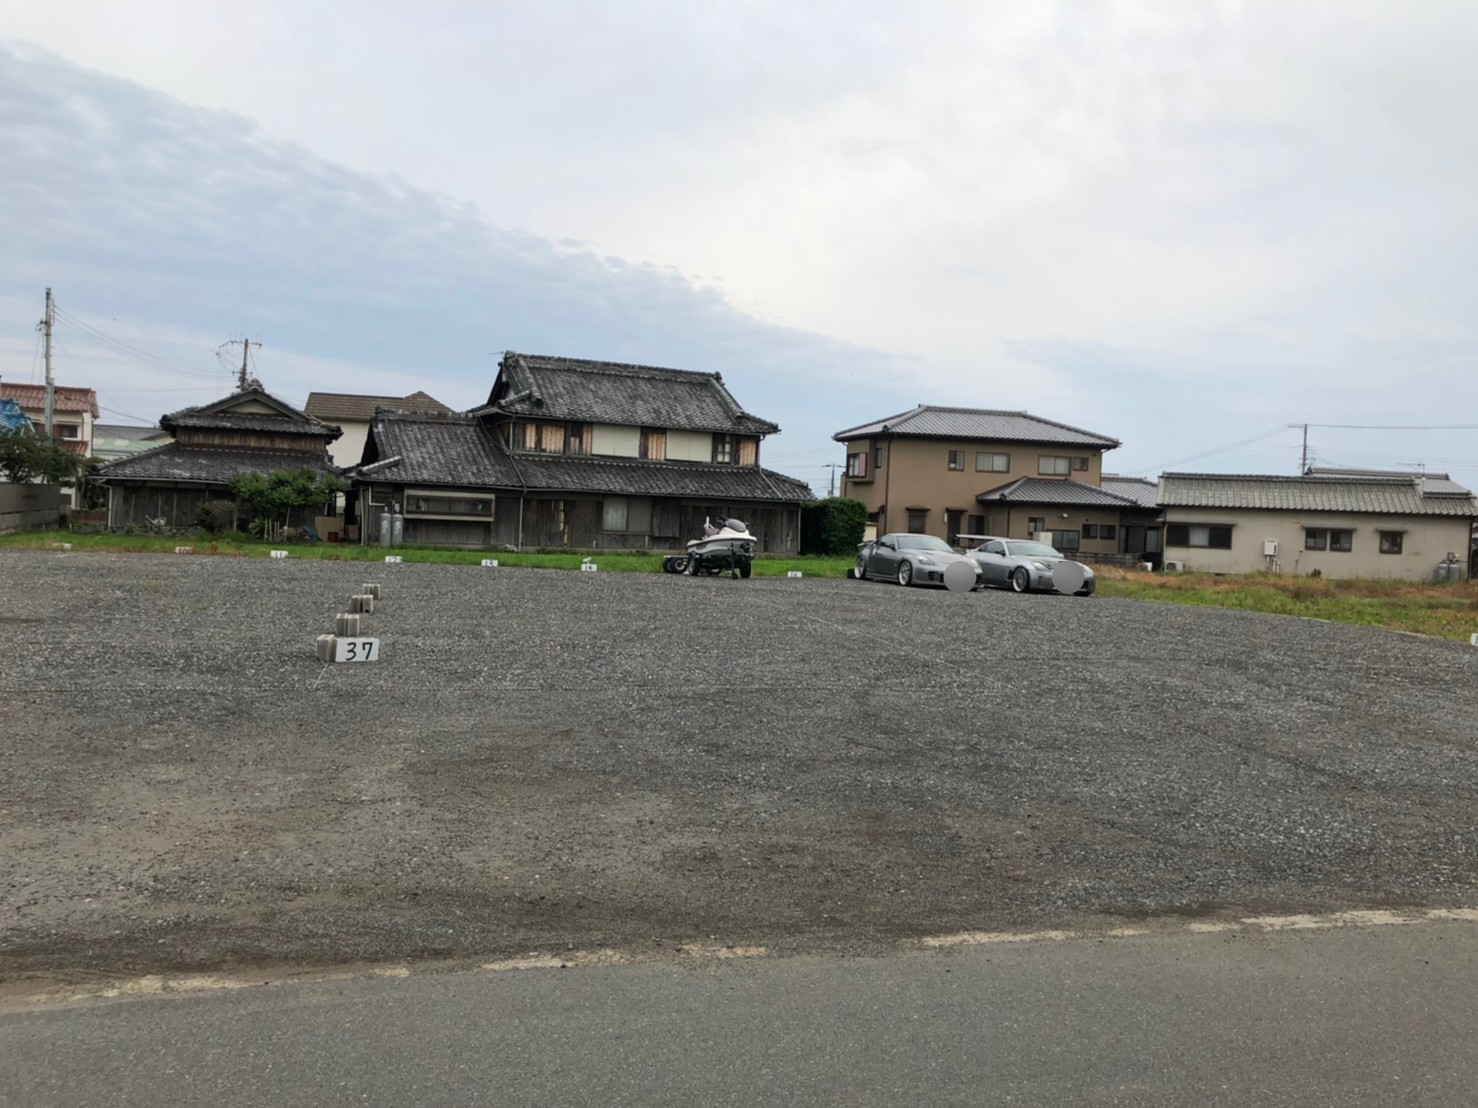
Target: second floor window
column 723, row 449
column 992, row 463
column 857, row 464
column 1054, row 465
column 654, row 444
column 957, row 459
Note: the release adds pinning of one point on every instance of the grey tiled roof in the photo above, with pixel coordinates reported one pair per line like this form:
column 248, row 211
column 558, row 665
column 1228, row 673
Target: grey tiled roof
column 629, row 395
column 1141, row 490
column 124, row 431
column 638, row 478
column 251, row 421
column 218, row 414
column 1319, row 493
column 207, row 465
column 439, row 449
column 461, row 450
column 1041, row 490
column 1433, row 484
column 334, row 406
column 929, row 421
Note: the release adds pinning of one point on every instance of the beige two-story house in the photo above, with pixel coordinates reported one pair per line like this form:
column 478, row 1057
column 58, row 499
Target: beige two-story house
column 952, row 471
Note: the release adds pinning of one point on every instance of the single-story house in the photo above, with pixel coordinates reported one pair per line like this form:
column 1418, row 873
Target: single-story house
column 1337, row 523
column 578, row 453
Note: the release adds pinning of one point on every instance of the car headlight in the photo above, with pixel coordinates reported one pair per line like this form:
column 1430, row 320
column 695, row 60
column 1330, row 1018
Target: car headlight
column 925, row 560
column 1041, row 565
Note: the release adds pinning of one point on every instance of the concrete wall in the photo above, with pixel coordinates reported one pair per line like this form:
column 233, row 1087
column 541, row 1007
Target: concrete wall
column 1427, row 541
column 29, row 507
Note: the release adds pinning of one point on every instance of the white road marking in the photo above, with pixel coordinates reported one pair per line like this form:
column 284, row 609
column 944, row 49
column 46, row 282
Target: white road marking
column 573, row 960
column 158, row 985
column 697, row 950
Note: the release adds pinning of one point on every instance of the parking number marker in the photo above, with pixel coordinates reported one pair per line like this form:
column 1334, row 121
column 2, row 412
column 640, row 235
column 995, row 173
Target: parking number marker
column 356, row 650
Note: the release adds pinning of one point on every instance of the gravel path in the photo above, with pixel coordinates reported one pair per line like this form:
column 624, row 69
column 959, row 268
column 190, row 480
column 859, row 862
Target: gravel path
column 546, row 760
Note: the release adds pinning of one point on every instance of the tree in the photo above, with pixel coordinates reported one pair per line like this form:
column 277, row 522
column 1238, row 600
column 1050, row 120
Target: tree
column 272, row 498
column 25, row 457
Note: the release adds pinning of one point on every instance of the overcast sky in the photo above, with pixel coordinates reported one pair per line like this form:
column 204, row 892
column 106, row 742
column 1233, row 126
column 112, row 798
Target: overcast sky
column 1184, row 225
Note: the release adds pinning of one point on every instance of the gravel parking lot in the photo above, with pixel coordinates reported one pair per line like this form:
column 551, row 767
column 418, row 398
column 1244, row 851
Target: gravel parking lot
column 544, row 760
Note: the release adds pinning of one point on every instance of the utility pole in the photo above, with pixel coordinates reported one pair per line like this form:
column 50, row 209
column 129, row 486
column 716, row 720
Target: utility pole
column 246, row 345
column 1303, row 461
column 831, row 478
column 46, row 324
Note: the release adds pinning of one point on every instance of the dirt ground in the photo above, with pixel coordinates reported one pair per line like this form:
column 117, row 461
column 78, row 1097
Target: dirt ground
column 546, row 760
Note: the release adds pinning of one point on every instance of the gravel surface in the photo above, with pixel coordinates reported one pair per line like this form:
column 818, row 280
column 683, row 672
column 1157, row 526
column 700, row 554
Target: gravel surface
column 544, row 760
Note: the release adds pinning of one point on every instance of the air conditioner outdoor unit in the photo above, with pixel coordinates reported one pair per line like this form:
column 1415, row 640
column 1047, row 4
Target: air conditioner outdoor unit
column 1174, row 567
column 1269, row 548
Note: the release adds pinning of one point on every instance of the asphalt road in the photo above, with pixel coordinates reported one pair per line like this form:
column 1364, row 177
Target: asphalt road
column 548, row 761
column 1350, row 1017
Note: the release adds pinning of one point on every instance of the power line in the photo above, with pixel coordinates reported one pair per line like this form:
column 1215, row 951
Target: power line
column 129, row 415
column 1220, row 449
column 1390, row 426
column 127, row 350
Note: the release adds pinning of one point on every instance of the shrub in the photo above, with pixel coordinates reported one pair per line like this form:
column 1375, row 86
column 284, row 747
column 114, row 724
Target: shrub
column 833, row 526
column 216, row 516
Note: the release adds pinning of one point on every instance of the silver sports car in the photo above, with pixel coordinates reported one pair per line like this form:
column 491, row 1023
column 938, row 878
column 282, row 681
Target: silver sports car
column 1025, row 566
column 910, row 560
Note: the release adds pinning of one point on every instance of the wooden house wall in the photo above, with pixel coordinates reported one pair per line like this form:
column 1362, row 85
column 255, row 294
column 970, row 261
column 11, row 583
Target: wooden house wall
column 178, row 505
column 251, row 440
column 137, row 505
column 579, row 523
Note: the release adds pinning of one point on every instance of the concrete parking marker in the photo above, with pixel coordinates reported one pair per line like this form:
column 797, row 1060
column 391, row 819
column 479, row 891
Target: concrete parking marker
column 490, row 562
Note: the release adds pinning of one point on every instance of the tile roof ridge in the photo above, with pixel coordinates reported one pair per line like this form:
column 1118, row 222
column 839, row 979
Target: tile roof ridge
column 618, row 369
column 884, row 422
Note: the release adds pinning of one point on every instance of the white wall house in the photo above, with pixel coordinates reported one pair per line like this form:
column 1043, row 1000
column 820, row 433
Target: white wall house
column 1338, row 523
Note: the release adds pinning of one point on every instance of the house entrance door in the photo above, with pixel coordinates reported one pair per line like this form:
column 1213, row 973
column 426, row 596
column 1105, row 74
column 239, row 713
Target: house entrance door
column 953, row 521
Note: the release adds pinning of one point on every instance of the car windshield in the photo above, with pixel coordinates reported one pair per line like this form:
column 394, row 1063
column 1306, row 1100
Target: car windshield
column 1032, row 550
column 923, row 542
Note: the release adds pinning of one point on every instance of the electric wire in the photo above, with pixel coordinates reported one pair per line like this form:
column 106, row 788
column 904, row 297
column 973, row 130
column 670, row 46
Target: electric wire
column 127, row 350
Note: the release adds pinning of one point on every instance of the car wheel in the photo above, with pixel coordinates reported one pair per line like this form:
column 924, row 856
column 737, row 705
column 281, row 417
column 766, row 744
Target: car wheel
column 859, row 571
column 1021, row 579
column 745, row 569
column 905, row 574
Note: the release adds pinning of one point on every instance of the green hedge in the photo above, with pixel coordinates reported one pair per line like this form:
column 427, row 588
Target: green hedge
column 833, row 527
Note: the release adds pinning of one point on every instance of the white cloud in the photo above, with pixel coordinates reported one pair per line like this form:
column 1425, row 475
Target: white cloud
column 1170, row 222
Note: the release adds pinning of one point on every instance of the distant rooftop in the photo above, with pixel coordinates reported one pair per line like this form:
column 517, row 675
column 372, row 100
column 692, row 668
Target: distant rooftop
column 331, row 407
column 71, row 399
